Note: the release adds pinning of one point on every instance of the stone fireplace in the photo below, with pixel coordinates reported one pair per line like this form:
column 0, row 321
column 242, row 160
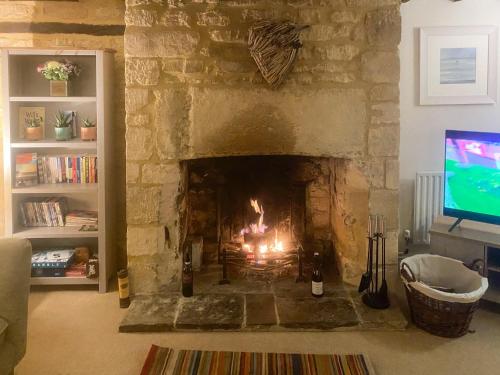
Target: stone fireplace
column 205, row 134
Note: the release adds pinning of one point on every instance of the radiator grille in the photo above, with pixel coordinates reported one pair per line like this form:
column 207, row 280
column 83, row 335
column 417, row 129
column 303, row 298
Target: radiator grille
column 428, row 204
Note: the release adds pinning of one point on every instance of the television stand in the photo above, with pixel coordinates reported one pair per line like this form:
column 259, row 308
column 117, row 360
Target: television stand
column 455, row 224
column 469, row 242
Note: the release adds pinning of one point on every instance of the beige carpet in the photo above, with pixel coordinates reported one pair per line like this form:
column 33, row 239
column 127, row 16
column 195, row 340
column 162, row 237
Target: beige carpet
column 76, row 332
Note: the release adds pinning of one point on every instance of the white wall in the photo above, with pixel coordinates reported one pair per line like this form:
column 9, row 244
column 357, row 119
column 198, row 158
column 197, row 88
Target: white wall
column 422, row 127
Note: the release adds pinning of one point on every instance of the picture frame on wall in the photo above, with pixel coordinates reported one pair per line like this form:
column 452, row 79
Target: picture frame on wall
column 458, row 65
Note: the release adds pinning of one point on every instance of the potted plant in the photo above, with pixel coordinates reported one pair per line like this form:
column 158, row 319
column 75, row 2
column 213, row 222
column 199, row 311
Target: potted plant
column 62, row 126
column 34, row 131
column 59, row 73
column 88, row 130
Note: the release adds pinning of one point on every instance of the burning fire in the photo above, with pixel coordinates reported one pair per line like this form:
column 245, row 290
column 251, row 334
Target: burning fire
column 263, row 244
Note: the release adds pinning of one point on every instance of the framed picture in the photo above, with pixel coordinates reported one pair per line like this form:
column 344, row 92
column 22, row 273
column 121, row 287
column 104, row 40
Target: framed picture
column 458, row 65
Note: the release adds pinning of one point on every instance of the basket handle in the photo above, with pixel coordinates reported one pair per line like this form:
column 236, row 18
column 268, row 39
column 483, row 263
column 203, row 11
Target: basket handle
column 407, row 273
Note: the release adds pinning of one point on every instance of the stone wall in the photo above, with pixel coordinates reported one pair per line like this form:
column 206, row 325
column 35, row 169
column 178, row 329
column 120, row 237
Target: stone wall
column 193, row 91
column 71, row 25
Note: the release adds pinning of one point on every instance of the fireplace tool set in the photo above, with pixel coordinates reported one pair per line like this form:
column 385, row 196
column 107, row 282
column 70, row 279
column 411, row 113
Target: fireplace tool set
column 373, row 281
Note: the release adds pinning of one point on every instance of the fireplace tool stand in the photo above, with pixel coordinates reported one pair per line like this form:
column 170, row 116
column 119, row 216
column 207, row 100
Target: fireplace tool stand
column 376, row 293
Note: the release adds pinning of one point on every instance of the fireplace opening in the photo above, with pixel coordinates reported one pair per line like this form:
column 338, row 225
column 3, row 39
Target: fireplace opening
column 260, row 216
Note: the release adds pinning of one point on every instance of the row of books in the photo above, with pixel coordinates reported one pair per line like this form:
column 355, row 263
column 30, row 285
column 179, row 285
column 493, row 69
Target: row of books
column 32, row 169
column 44, row 212
column 54, row 212
column 67, row 169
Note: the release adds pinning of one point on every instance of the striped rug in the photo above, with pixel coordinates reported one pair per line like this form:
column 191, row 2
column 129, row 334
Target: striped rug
column 197, row 362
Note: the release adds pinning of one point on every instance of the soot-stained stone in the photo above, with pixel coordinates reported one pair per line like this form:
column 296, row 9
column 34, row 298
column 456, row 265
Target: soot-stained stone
column 150, row 314
column 260, row 310
column 316, row 313
column 211, row 312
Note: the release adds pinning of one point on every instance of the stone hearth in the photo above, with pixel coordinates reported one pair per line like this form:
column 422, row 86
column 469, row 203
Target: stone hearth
column 280, row 306
column 194, row 92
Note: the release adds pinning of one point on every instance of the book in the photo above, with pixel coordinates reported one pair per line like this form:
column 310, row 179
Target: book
column 67, row 169
column 78, row 218
column 26, row 169
column 26, row 114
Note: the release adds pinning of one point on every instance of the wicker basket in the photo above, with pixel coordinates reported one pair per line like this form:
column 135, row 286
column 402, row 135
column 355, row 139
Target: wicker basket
column 441, row 318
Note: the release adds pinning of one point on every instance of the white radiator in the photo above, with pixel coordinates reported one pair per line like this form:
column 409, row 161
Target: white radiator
column 429, row 187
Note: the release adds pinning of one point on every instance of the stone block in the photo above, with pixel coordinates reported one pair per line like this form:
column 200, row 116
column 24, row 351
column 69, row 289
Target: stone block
column 212, row 18
column 383, row 141
column 139, row 120
column 373, row 169
column 392, row 174
column 384, row 93
column 314, row 122
column 150, row 314
column 161, row 173
column 316, row 313
column 229, row 36
column 260, row 310
column 142, row 72
column 385, row 113
column 171, row 113
column 383, row 26
column 172, row 65
column 252, row 15
column 136, row 99
column 211, row 312
column 345, row 16
column 300, row 3
column 343, row 53
column 386, row 202
column 139, row 143
column 16, row 12
column 332, row 3
column 161, row 43
column 173, row 18
column 309, row 16
column 143, row 205
column 133, row 171
column 380, row 67
column 371, row 3
column 145, row 240
column 321, row 33
column 194, row 66
column 140, row 17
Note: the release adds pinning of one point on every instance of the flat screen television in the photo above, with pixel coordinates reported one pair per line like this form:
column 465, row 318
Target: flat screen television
column 472, row 176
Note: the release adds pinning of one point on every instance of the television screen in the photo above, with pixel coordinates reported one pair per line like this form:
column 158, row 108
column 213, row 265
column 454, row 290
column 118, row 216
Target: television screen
column 472, row 176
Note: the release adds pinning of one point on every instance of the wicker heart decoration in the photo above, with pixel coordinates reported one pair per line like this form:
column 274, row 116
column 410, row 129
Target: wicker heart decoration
column 274, row 47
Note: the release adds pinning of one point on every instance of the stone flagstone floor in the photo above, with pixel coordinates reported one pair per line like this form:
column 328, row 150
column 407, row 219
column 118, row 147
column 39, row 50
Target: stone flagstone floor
column 258, row 306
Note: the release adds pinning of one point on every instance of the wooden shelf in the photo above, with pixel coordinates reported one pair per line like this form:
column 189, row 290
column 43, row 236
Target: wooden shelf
column 53, row 232
column 62, row 188
column 63, row 281
column 52, row 143
column 53, row 99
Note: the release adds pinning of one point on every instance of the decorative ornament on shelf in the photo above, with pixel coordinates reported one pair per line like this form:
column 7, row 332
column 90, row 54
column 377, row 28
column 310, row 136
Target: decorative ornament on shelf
column 274, row 46
column 59, row 73
column 62, row 126
column 88, row 130
column 34, row 130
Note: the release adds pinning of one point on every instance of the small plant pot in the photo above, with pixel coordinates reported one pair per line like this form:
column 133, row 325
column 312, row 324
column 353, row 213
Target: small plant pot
column 63, row 134
column 34, row 134
column 88, row 134
column 59, row 88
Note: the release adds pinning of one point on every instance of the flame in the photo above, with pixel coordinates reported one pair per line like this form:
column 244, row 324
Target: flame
column 263, row 248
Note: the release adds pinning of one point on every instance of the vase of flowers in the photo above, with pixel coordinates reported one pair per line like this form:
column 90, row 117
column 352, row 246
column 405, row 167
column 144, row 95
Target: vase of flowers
column 33, row 130
column 59, row 73
column 62, row 126
column 88, row 130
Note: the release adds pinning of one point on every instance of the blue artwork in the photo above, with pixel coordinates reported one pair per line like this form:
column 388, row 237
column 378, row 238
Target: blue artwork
column 458, row 66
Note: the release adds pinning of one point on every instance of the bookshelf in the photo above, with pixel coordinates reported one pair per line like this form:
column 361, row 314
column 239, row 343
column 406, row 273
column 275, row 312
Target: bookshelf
column 91, row 97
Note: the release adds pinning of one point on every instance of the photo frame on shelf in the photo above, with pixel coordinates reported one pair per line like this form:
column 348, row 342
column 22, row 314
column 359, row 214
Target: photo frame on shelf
column 458, row 65
column 28, row 114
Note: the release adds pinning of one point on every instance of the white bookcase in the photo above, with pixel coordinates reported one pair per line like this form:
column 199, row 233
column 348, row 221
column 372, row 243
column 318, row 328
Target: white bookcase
column 91, row 97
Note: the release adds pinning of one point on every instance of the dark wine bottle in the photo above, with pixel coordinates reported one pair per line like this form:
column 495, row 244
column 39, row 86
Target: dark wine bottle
column 187, row 277
column 317, row 277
